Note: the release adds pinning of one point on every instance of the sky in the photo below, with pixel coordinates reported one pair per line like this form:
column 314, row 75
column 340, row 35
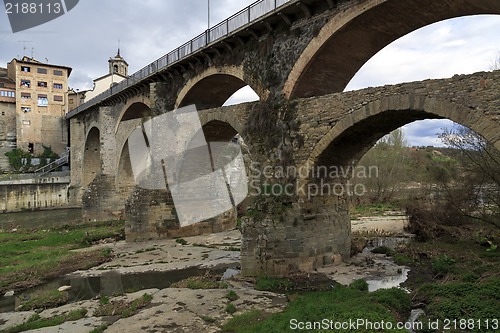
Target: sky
column 88, row 35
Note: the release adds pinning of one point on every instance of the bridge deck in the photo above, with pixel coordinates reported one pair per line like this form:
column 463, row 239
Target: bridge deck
column 240, row 21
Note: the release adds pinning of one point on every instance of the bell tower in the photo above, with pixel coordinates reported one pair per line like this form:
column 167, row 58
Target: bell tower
column 118, row 65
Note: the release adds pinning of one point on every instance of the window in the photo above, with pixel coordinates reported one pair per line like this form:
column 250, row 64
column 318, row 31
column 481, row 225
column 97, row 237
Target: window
column 26, row 122
column 4, row 93
column 25, row 109
column 25, row 83
column 58, row 72
column 41, row 70
column 71, row 101
column 43, row 100
column 25, row 95
column 58, row 98
column 42, row 84
column 58, row 86
column 3, row 113
column 25, row 69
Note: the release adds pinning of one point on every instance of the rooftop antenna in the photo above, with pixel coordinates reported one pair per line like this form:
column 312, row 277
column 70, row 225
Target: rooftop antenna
column 118, row 47
column 32, row 52
column 24, row 45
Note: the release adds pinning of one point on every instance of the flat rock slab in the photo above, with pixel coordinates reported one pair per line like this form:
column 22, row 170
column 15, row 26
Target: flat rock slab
column 203, row 252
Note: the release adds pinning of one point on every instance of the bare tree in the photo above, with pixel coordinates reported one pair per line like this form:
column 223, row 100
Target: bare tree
column 477, row 193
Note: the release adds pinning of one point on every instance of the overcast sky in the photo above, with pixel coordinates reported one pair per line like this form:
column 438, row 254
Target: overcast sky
column 88, row 35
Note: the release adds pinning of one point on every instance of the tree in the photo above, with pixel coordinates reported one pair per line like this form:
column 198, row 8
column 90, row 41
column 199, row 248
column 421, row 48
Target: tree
column 391, row 156
column 477, row 193
column 496, row 63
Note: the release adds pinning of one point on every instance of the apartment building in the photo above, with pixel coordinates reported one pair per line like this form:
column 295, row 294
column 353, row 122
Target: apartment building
column 41, row 99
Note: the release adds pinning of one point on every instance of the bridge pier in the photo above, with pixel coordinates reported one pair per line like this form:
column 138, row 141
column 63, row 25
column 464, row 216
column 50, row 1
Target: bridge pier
column 283, row 239
column 151, row 215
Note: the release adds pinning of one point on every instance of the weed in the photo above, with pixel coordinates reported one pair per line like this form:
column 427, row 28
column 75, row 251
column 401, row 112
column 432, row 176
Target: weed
column 104, row 300
column 201, row 282
column 359, row 284
column 181, row 241
column 230, row 308
column 36, row 322
column 442, row 265
column 267, row 283
column 232, row 296
column 45, row 300
column 122, row 308
column 339, row 304
column 100, row 329
column 383, row 250
column 208, row 319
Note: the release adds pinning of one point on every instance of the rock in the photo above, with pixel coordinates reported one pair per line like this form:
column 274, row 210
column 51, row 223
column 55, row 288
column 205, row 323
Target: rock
column 9, row 293
column 64, row 288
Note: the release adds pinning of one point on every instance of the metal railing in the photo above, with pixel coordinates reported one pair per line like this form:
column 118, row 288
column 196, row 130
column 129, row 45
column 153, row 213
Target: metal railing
column 52, row 166
column 236, row 22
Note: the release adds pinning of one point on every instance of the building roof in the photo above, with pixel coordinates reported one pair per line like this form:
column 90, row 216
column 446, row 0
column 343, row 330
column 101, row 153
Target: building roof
column 30, row 61
column 4, row 77
column 118, row 57
column 109, row 74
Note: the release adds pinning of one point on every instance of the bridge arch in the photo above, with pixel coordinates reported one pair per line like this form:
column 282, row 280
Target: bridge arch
column 350, row 138
column 91, row 156
column 213, row 87
column 347, row 42
column 136, row 108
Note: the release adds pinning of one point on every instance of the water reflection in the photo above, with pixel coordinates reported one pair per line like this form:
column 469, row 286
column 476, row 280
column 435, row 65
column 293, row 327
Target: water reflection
column 39, row 218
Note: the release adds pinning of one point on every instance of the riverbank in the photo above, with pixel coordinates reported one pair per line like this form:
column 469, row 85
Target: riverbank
column 188, row 285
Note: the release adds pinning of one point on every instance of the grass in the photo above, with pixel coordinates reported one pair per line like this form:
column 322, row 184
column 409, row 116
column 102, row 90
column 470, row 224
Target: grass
column 454, row 277
column 267, row 283
column 46, row 300
column 459, row 300
column 201, row 282
column 30, row 257
column 339, row 304
column 100, row 329
column 232, row 296
column 231, row 308
column 122, row 308
column 373, row 209
column 36, row 322
column 181, row 241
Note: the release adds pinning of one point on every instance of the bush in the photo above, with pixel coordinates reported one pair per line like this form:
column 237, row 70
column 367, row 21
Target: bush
column 442, row 265
column 267, row 283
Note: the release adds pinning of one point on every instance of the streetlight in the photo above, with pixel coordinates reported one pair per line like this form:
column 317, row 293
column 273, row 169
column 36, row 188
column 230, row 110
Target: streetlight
column 208, row 14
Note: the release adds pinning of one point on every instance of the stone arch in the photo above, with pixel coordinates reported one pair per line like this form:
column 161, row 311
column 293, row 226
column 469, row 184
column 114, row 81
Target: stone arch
column 213, row 87
column 356, row 34
column 136, row 108
column 125, row 181
column 355, row 134
column 91, row 156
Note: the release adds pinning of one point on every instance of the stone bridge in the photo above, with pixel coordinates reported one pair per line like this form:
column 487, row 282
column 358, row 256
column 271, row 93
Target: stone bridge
column 298, row 59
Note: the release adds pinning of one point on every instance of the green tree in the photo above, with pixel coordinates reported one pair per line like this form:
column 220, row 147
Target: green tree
column 392, row 158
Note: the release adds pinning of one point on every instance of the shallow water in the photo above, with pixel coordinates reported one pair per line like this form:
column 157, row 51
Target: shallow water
column 108, row 284
column 39, row 218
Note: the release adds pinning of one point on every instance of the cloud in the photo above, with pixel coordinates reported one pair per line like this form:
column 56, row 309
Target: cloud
column 88, row 35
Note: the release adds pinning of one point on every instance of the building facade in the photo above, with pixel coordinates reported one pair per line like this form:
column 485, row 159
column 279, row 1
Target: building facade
column 41, row 104
column 118, row 71
column 7, row 117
